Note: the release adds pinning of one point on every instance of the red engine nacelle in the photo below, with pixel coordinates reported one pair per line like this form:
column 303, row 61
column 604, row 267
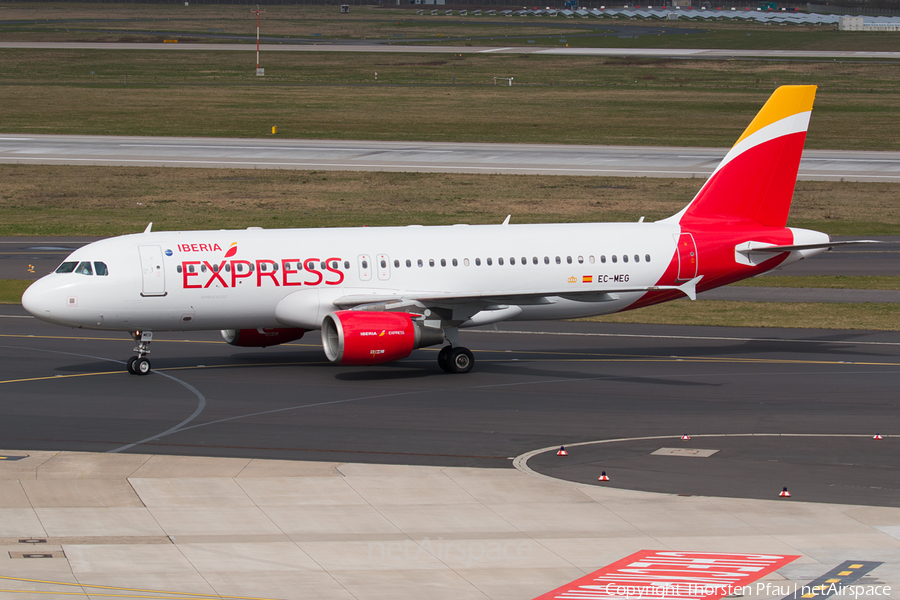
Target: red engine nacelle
column 369, row 338
column 260, row 338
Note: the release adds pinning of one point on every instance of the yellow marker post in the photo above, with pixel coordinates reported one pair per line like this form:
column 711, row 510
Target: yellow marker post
column 274, row 130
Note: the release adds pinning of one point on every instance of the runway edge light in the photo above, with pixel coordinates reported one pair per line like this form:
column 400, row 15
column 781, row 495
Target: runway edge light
column 784, row 493
column 562, row 451
column 877, row 437
column 685, row 437
column 603, row 477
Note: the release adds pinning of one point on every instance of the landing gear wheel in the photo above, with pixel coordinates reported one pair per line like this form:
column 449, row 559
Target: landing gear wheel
column 444, row 358
column 130, row 365
column 141, row 366
column 460, row 360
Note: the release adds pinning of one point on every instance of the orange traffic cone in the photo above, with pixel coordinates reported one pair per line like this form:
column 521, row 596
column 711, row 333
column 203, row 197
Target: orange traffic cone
column 685, row 437
column 562, row 451
column 877, row 437
column 603, row 477
column 784, row 493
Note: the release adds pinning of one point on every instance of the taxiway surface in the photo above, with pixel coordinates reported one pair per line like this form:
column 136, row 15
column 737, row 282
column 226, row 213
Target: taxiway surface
column 534, row 386
column 434, row 157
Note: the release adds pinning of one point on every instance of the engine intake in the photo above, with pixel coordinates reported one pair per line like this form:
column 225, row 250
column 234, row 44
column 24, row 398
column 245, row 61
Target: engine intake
column 260, row 338
column 368, row 338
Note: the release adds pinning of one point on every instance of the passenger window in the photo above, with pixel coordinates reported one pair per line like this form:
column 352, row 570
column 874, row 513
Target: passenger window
column 591, row 259
column 534, row 259
column 647, row 258
column 524, row 260
column 569, row 259
column 408, row 263
column 178, row 268
column 84, row 269
column 615, row 258
column 321, row 265
column 466, row 262
column 512, row 260
column 558, row 261
column 500, row 261
column 100, row 269
column 228, row 267
column 66, row 267
column 443, row 262
column 477, row 262
column 346, row 265
column 455, row 263
column 191, row 268
column 275, row 267
column 581, row 260
column 420, row 263
column 603, row 258
column 637, row 258
column 546, row 260
column 489, row 263
column 203, row 268
column 250, row 267
column 383, row 264
column 365, row 264
column 624, row 258
column 396, row 264
column 430, row 262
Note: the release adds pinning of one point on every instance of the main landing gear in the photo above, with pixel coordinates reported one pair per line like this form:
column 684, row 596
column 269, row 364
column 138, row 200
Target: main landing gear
column 140, row 364
column 456, row 359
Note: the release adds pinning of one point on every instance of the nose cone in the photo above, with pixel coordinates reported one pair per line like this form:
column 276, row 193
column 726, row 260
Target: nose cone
column 37, row 299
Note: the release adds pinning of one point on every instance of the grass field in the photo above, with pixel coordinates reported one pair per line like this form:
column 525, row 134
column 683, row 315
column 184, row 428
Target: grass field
column 335, row 96
column 69, row 200
column 722, row 313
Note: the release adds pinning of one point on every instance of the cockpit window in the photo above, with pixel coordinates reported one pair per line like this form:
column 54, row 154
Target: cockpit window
column 84, row 268
column 100, row 269
column 66, row 267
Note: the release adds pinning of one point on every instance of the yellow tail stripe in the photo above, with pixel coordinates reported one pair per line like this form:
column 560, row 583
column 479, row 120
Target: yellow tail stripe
column 788, row 100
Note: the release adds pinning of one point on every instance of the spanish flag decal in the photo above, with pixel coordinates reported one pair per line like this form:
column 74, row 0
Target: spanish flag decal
column 587, row 279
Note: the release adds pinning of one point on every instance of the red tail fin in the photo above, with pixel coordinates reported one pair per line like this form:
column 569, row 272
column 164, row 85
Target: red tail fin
column 755, row 181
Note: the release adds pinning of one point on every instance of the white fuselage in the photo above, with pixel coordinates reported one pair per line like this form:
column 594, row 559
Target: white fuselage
column 184, row 281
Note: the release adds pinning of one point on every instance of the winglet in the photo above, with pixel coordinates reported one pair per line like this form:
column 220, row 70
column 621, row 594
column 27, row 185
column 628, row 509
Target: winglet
column 689, row 288
column 506, row 220
column 149, row 227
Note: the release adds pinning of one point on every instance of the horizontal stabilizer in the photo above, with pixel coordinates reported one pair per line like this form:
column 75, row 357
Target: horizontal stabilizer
column 796, row 247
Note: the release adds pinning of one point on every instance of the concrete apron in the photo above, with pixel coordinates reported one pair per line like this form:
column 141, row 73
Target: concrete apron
column 167, row 526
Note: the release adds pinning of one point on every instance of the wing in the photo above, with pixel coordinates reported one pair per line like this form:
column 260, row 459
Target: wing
column 472, row 303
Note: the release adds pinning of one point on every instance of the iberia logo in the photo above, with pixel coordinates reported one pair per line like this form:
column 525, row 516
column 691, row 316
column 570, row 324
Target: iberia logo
column 382, row 333
column 232, row 250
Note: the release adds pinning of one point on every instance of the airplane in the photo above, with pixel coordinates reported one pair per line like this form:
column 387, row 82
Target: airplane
column 378, row 293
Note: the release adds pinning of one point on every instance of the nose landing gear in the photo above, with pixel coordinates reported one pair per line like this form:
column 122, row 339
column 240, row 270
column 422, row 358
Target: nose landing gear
column 140, row 364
